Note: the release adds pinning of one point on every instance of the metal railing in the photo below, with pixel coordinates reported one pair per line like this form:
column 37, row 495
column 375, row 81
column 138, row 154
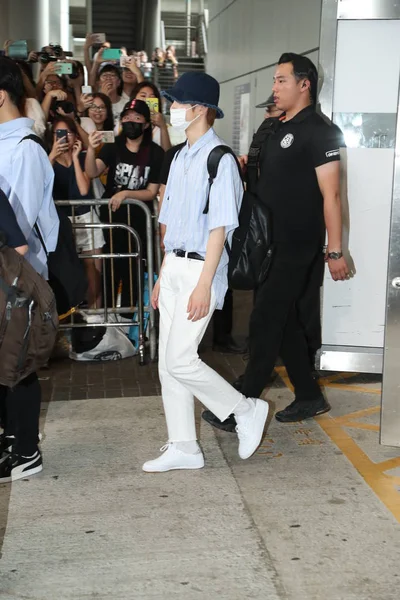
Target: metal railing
column 106, row 310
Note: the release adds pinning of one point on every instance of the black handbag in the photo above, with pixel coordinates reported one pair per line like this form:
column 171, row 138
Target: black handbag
column 251, row 252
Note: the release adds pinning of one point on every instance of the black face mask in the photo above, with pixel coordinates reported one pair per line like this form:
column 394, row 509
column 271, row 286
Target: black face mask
column 133, row 130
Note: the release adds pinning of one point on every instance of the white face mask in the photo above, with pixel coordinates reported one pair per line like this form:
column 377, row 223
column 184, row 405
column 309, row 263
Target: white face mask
column 178, row 118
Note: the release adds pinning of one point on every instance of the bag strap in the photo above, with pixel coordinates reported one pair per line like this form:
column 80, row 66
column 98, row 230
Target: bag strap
column 34, row 138
column 214, row 158
column 267, row 128
column 41, row 240
column 38, row 140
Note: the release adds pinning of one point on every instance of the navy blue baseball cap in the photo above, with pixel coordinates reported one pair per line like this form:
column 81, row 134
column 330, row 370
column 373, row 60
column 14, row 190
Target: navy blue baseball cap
column 196, row 88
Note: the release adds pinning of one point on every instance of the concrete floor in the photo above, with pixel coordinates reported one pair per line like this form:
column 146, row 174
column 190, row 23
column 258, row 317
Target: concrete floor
column 303, row 519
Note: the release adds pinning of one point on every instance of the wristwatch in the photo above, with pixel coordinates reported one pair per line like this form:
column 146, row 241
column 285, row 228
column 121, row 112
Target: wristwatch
column 335, row 255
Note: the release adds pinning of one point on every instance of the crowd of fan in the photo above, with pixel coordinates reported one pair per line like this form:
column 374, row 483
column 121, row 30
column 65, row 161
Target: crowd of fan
column 84, row 115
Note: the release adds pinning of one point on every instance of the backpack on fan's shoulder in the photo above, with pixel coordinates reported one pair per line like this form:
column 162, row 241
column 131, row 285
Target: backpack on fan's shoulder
column 28, row 318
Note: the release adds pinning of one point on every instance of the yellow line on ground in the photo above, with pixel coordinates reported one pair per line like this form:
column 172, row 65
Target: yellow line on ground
column 381, row 484
column 350, row 388
column 332, row 378
column 391, row 463
column 355, row 425
column 358, row 414
column 373, row 473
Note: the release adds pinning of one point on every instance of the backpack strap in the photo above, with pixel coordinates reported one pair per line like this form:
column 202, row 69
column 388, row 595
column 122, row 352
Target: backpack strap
column 214, row 158
column 35, row 138
column 267, row 128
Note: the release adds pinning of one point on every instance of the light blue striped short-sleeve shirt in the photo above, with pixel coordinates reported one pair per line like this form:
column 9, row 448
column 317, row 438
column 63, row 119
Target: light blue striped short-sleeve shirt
column 185, row 199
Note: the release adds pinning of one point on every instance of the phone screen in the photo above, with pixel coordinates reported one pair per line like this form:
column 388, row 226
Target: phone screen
column 153, row 104
column 86, row 89
column 98, row 38
column 108, row 137
column 18, row 50
column 63, row 68
column 111, row 54
column 62, row 133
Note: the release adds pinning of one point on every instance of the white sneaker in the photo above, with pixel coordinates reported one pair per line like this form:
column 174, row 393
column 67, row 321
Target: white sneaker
column 250, row 427
column 173, row 458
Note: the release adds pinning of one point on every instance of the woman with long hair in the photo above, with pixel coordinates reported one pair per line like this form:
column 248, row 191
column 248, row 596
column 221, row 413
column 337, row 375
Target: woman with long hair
column 131, row 75
column 101, row 115
column 72, row 183
column 134, row 164
column 147, row 90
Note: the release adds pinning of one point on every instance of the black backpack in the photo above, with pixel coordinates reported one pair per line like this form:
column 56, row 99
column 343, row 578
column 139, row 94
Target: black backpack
column 251, row 252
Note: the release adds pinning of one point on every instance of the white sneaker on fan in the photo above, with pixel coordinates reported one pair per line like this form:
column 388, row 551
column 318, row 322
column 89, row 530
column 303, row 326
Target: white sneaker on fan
column 173, row 458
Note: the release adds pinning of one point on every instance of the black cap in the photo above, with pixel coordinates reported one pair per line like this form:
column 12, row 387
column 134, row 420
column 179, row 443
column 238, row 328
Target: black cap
column 139, row 107
column 269, row 102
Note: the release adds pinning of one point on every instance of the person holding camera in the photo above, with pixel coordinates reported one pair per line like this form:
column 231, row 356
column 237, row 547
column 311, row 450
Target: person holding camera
column 109, row 82
column 72, row 183
column 148, row 91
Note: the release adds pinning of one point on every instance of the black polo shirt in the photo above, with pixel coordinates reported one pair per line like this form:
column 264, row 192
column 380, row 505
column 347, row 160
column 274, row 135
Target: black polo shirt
column 288, row 182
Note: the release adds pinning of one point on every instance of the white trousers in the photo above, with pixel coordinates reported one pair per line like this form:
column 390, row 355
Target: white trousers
column 183, row 374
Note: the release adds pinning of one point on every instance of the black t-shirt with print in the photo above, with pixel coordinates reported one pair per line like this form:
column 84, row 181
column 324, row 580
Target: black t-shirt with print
column 288, row 182
column 130, row 170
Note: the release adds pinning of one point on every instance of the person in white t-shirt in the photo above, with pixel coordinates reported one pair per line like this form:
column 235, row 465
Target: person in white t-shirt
column 110, row 83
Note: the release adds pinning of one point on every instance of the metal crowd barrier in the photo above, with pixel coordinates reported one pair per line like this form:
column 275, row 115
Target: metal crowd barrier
column 114, row 309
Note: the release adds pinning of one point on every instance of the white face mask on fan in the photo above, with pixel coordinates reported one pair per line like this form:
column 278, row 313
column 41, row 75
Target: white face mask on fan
column 178, row 118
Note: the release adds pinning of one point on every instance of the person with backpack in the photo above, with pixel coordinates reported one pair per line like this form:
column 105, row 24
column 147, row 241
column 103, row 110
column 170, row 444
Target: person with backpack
column 199, row 219
column 222, row 321
column 27, row 181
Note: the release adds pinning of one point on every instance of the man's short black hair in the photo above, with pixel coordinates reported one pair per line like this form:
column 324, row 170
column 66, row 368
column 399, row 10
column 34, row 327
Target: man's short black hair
column 303, row 68
column 11, row 80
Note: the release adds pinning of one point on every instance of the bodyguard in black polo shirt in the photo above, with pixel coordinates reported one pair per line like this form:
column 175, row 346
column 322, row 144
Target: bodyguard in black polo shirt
column 299, row 182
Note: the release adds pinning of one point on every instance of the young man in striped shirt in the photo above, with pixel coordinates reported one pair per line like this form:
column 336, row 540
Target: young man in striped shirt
column 193, row 280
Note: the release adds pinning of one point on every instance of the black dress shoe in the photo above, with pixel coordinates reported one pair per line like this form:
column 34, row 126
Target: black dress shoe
column 298, row 411
column 228, row 346
column 228, row 425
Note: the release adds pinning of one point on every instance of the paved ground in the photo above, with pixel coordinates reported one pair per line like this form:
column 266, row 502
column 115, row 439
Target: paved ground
column 302, row 520
column 314, row 515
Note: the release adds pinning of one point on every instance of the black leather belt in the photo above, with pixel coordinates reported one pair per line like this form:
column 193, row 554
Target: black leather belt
column 184, row 254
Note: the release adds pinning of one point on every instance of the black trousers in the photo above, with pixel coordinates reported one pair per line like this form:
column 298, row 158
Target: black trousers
column 20, row 412
column 275, row 326
column 309, row 306
column 223, row 320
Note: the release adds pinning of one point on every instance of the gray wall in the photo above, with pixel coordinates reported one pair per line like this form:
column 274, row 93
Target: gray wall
column 37, row 21
column 246, row 38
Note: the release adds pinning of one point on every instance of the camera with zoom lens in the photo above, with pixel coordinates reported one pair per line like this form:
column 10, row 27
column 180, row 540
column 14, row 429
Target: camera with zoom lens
column 46, row 57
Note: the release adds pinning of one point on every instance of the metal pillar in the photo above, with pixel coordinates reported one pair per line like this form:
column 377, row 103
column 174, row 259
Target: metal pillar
column 373, row 157
column 188, row 27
